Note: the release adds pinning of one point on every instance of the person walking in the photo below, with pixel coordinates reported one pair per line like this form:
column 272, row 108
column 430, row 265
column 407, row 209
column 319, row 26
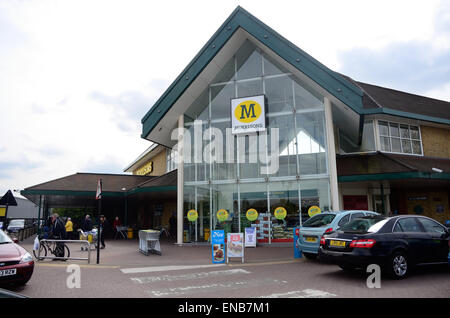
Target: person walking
column 116, row 223
column 69, row 229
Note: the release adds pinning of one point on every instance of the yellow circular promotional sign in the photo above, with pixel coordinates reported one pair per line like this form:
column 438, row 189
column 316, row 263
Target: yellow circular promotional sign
column 252, row 215
column 248, row 111
column 280, row 213
column 192, row 215
column 314, row 210
column 222, row 215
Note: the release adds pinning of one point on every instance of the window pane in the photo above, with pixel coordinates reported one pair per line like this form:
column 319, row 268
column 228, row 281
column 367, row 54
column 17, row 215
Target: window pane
column 431, row 226
column 385, row 144
column 279, row 94
column 305, row 99
column 414, row 132
column 249, row 88
column 409, row 225
column 311, row 143
column 271, row 67
column 404, row 131
column 284, row 194
column 396, row 145
column 249, row 62
column 314, row 192
column 395, row 132
column 253, row 196
column 287, row 149
column 384, row 130
column 220, row 101
column 406, row 145
column 416, row 147
column 224, row 196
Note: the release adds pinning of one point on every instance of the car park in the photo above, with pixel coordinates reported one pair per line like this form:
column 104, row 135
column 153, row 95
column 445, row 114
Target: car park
column 397, row 244
column 16, row 264
column 312, row 230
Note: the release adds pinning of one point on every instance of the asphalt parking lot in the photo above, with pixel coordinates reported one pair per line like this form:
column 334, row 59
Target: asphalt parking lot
column 187, row 272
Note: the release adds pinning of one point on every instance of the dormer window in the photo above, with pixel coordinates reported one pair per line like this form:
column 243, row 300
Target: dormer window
column 400, row 138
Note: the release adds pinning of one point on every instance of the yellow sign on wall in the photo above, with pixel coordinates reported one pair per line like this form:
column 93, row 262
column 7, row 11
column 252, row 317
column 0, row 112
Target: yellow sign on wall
column 280, row 213
column 2, row 211
column 314, row 210
column 145, row 169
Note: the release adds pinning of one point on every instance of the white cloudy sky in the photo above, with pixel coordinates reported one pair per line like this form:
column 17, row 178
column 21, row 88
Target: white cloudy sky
column 76, row 77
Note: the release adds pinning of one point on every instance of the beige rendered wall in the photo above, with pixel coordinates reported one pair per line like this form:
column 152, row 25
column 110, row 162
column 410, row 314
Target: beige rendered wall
column 159, row 164
column 435, row 141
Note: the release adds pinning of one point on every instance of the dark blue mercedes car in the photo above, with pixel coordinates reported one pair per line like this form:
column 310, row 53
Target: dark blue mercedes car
column 396, row 244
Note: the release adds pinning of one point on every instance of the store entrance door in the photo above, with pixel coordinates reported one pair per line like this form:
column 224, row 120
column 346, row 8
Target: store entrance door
column 355, row 202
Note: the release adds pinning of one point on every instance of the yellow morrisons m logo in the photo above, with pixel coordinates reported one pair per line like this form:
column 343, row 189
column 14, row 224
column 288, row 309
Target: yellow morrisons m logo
column 248, row 111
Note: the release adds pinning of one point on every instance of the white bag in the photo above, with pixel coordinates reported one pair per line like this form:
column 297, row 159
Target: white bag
column 36, row 244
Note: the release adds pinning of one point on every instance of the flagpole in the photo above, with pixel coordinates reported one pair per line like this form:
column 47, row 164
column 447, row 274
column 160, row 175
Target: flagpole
column 99, row 222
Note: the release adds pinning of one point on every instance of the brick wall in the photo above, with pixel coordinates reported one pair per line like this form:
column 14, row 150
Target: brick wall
column 436, row 141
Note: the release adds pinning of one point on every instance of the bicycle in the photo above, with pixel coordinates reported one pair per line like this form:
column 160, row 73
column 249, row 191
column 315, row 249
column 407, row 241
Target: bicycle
column 52, row 247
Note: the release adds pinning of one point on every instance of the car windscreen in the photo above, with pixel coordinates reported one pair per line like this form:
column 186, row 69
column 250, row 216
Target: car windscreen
column 4, row 239
column 17, row 223
column 361, row 225
column 319, row 220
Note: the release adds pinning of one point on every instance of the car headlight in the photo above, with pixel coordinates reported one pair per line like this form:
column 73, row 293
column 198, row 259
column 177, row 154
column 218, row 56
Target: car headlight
column 26, row 258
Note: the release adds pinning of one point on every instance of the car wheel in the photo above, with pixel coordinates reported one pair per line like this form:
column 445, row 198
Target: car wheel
column 310, row 255
column 398, row 265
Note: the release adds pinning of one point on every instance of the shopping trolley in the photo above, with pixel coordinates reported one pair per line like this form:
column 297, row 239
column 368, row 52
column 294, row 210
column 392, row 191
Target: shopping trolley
column 91, row 237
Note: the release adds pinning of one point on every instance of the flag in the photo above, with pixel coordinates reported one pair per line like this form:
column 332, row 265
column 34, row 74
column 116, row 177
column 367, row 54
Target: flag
column 98, row 195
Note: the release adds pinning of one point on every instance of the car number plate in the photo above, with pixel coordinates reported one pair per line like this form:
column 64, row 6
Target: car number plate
column 337, row 243
column 8, row 272
column 311, row 239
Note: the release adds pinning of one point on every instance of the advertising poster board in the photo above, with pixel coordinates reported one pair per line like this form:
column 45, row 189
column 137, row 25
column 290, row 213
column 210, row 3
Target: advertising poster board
column 235, row 245
column 250, row 237
column 297, row 251
column 218, row 246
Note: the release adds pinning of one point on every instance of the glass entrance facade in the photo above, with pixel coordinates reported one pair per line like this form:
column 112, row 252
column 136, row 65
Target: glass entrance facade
column 302, row 179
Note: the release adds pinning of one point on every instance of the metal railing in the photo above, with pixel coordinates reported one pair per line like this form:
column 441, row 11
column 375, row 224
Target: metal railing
column 66, row 258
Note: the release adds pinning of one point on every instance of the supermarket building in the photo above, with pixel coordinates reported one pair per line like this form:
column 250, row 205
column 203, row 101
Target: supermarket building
column 342, row 144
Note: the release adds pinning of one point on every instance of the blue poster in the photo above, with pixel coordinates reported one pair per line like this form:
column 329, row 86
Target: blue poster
column 218, row 246
column 297, row 251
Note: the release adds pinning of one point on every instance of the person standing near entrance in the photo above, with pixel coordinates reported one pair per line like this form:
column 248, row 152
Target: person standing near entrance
column 58, row 232
column 87, row 224
column 102, row 227
column 69, row 229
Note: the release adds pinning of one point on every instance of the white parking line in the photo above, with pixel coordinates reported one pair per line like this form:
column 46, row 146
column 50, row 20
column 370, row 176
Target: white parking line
column 171, row 278
column 306, row 293
column 166, row 268
column 210, row 288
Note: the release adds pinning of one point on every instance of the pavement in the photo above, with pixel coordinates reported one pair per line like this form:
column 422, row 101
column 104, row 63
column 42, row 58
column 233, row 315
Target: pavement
column 180, row 272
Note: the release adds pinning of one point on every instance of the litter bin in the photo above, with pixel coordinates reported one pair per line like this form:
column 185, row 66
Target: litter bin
column 130, row 233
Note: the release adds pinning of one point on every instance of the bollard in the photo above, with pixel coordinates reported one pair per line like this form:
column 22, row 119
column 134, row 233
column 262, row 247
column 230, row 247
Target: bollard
column 20, row 236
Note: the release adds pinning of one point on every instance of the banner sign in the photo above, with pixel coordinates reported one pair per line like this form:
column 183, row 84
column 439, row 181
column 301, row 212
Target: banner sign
column 280, row 213
column 218, row 246
column 192, row 215
column 252, row 215
column 248, row 115
column 235, row 245
column 250, row 237
column 297, row 251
